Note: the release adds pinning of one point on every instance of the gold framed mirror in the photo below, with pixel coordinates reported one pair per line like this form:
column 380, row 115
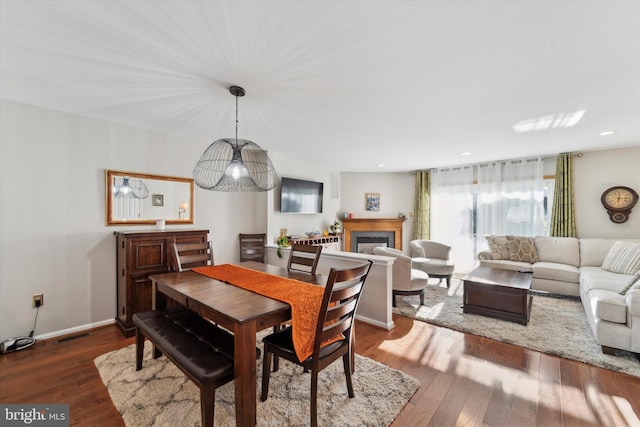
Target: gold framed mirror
column 135, row 198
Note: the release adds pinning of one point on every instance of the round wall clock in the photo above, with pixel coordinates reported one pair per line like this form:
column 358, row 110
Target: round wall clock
column 618, row 201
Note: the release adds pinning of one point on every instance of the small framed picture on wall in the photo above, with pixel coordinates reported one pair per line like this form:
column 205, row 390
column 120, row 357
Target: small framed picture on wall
column 157, row 200
column 372, row 201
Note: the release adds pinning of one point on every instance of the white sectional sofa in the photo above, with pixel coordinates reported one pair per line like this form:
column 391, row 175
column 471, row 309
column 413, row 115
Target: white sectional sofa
column 572, row 266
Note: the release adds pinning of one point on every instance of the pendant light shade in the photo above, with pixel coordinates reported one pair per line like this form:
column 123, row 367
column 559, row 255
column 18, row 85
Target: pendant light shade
column 235, row 164
column 129, row 187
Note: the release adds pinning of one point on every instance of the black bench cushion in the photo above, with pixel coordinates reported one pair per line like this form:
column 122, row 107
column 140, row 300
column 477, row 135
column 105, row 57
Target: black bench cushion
column 202, row 349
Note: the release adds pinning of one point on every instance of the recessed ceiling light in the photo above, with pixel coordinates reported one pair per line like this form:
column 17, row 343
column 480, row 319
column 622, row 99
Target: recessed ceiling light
column 466, row 153
column 380, row 165
column 607, row 132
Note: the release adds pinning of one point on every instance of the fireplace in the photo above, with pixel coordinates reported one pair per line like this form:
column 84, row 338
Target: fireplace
column 363, row 234
column 363, row 242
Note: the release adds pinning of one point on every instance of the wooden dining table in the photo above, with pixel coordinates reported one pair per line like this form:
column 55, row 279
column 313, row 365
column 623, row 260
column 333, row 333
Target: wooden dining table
column 241, row 311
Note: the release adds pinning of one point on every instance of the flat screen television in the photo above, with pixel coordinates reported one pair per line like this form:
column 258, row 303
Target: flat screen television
column 300, row 196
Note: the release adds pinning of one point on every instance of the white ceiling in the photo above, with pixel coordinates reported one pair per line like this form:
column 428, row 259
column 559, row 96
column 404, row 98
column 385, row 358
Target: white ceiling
column 350, row 84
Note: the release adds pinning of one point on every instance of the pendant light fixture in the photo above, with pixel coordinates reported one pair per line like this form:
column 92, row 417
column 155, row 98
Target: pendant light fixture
column 235, row 164
column 130, row 187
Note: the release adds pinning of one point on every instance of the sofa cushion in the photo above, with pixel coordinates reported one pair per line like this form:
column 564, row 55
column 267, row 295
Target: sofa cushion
column 602, row 284
column 556, row 271
column 505, row 265
column 623, row 258
column 597, row 278
column 594, row 250
column 522, row 249
column 418, row 279
column 499, row 247
column 607, row 305
column 433, row 266
column 561, row 250
column 633, row 283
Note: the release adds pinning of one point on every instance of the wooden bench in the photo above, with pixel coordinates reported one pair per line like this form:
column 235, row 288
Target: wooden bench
column 203, row 351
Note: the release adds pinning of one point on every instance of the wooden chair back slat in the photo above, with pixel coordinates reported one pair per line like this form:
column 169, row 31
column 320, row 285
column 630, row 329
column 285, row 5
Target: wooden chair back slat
column 339, row 304
column 304, row 258
column 252, row 247
column 189, row 255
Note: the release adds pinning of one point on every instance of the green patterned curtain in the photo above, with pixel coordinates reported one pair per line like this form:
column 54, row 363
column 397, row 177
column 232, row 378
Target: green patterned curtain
column 421, row 206
column 563, row 221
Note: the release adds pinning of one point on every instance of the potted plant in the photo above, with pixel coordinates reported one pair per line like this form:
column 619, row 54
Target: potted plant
column 336, row 227
column 283, row 241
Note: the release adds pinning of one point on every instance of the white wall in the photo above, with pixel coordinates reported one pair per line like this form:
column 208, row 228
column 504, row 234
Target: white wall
column 595, row 172
column 396, row 196
column 52, row 212
column 298, row 224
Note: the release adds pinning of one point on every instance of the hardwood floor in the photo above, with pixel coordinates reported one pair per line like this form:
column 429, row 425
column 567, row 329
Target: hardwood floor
column 466, row 380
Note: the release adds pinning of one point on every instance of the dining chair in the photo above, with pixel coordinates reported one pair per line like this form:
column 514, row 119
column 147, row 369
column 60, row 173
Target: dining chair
column 189, row 255
column 304, row 258
column 252, row 247
column 335, row 325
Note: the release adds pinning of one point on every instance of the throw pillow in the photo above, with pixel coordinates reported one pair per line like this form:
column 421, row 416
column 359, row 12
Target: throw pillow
column 499, row 247
column 522, row 249
column 635, row 280
column 623, row 258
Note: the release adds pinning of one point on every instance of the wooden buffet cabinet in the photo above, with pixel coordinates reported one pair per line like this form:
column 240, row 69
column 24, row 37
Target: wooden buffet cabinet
column 140, row 254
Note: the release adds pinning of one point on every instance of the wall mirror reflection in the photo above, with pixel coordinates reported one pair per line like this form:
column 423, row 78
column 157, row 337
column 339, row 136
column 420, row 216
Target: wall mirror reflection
column 135, row 198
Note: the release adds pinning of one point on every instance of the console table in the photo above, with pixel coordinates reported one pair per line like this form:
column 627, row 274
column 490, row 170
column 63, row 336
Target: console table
column 140, row 254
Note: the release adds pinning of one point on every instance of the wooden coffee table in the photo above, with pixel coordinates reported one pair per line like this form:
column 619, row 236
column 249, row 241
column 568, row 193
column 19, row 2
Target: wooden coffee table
column 503, row 294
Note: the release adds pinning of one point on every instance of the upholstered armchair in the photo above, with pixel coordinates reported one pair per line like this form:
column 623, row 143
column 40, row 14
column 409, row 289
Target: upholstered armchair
column 432, row 258
column 406, row 280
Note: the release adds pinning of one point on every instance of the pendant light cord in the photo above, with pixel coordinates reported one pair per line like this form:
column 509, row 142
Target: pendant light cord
column 236, row 119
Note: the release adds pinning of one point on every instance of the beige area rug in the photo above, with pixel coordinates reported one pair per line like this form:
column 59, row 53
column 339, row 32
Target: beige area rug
column 557, row 326
column 161, row 395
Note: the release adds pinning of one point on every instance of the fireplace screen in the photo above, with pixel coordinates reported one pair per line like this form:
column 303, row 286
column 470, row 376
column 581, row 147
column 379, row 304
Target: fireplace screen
column 364, row 242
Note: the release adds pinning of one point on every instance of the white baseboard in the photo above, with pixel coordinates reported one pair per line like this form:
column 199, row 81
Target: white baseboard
column 75, row 329
column 387, row 326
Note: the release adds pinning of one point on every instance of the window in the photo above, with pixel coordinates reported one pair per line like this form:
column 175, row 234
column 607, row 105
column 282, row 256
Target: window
column 501, row 198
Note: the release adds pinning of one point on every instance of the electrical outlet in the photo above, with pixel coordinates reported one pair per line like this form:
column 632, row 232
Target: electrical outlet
column 38, row 300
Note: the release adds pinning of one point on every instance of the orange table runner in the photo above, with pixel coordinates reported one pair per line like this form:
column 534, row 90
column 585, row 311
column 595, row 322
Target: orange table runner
column 305, row 299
